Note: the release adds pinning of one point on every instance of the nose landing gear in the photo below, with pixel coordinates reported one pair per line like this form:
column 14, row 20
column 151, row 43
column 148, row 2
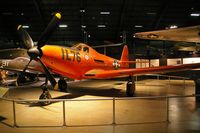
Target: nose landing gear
column 62, row 86
column 44, row 96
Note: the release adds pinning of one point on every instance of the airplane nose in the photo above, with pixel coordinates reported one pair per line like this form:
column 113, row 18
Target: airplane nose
column 34, row 52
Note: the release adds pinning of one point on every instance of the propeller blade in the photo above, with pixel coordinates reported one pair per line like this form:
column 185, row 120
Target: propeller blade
column 49, row 29
column 26, row 66
column 48, row 74
column 25, row 37
column 23, row 73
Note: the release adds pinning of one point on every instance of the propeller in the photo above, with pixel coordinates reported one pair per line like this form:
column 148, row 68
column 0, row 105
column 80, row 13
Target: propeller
column 26, row 67
column 25, row 37
column 49, row 29
column 35, row 52
column 48, row 74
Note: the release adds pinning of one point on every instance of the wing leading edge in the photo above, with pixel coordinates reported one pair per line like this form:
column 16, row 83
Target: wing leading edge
column 140, row 71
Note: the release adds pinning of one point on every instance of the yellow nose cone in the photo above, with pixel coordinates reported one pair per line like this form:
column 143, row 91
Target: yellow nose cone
column 58, row 15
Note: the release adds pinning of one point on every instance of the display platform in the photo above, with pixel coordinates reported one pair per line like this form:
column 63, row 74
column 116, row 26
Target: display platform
column 3, row 91
column 138, row 115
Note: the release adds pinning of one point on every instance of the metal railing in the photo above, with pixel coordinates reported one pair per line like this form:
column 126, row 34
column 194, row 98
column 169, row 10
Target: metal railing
column 114, row 99
column 166, row 76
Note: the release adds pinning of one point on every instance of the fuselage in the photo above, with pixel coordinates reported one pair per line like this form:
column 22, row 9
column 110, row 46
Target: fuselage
column 75, row 62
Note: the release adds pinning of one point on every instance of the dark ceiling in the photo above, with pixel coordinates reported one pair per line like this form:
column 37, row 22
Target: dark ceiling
column 124, row 15
column 83, row 16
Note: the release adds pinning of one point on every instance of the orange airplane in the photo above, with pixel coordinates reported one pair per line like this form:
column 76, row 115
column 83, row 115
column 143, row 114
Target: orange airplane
column 83, row 62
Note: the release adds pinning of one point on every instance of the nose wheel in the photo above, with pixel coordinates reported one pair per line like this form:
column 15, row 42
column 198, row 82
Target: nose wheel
column 62, row 85
column 44, row 96
column 130, row 87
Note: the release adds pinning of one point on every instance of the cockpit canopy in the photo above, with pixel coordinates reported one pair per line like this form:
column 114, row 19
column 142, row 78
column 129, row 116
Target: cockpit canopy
column 82, row 47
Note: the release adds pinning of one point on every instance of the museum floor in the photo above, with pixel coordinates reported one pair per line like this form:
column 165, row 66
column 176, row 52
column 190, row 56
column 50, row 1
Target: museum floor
column 132, row 115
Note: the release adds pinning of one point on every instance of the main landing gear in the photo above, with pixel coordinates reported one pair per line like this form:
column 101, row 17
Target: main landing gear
column 62, row 86
column 130, row 87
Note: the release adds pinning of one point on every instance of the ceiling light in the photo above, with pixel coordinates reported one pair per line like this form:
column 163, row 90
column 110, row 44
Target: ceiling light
column 105, row 13
column 173, row 27
column 195, row 14
column 82, row 10
column 83, row 26
column 7, row 13
column 63, row 26
column 101, row 26
column 151, row 13
column 89, row 36
column 138, row 26
column 25, row 26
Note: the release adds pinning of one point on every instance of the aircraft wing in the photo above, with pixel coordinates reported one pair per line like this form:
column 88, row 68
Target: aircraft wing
column 139, row 71
column 187, row 34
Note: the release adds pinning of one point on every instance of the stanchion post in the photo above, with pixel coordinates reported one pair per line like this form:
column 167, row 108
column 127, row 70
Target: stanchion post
column 167, row 104
column 64, row 119
column 157, row 77
column 14, row 115
column 184, row 83
column 114, row 111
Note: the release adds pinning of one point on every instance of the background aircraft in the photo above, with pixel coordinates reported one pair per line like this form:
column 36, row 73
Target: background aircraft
column 17, row 65
column 186, row 38
column 12, row 62
column 185, row 34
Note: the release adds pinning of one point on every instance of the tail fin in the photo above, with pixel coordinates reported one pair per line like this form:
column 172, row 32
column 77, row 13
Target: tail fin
column 124, row 57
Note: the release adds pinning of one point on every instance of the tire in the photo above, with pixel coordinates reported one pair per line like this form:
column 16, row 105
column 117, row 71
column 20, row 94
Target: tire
column 62, row 85
column 130, row 89
column 21, row 79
